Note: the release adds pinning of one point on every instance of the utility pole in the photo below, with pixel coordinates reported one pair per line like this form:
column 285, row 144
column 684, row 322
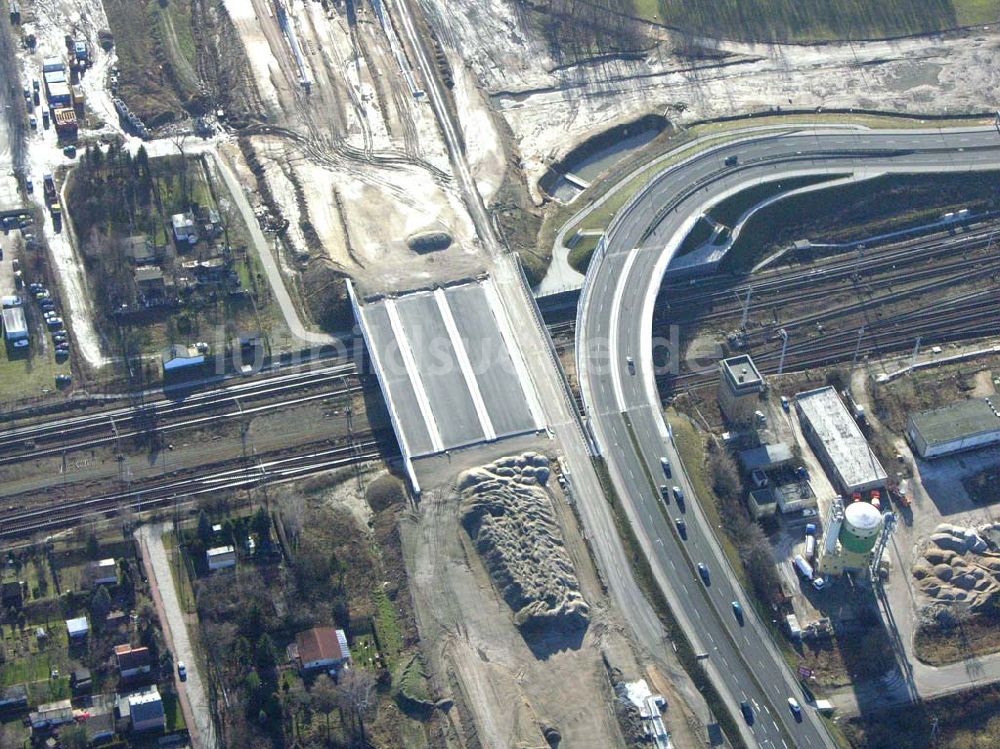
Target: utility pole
column 857, row 348
column 916, row 350
column 784, row 347
column 746, row 310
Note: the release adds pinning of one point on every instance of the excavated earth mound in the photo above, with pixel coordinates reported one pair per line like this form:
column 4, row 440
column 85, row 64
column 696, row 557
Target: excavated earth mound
column 959, row 566
column 508, row 514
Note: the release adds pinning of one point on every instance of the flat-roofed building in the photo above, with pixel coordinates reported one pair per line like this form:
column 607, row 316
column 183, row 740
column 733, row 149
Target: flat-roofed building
column 100, row 572
column 838, row 442
column 740, row 387
column 15, row 327
column 766, row 457
column 221, row 557
column 965, row 425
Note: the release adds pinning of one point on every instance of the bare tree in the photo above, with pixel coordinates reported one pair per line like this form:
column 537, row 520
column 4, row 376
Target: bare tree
column 324, row 698
column 355, row 697
column 293, row 514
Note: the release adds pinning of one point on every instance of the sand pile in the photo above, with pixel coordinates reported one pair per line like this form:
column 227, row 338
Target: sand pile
column 508, row 514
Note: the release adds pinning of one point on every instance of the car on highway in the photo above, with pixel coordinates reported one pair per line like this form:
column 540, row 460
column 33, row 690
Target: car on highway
column 182, row 671
column 665, row 493
column 793, row 705
column 747, row 712
column 732, row 160
column 738, row 612
column 631, row 364
column 667, row 470
column 682, row 528
column 703, row 571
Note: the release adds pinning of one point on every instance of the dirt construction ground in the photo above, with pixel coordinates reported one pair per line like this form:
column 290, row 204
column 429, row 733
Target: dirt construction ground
column 552, row 105
column 354, row 159
column 514, row 688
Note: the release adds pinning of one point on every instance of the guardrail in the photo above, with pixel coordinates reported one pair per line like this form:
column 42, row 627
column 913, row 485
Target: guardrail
column 554, row 355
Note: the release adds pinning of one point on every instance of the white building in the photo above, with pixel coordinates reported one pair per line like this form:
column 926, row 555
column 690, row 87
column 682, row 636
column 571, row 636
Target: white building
column 960, row 426
column 221, row 557
column 838, row 442
column 78, row 628
column 15, row 327
column 184, row 228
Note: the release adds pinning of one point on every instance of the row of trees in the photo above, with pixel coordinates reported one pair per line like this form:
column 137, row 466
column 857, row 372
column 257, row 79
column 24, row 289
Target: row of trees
column 580, row 29
column 748, row 537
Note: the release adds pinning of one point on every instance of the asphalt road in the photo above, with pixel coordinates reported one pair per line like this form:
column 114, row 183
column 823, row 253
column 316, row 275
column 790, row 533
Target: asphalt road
column 616, row 322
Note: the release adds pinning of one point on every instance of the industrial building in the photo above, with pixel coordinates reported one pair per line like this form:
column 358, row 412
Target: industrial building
column 838, row 442
column 15, row 327
column 740, row 387
column 965, row 425
column 851, row 535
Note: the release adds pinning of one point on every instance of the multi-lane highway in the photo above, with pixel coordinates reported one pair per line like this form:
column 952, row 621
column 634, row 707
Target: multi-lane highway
column 615, row 323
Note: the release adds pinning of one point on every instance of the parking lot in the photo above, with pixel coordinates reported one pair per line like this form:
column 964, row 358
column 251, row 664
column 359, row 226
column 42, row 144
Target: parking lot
column 38, row 368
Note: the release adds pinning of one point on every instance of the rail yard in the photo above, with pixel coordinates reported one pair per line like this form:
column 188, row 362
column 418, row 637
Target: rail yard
column 92, row 451
column 857, row 305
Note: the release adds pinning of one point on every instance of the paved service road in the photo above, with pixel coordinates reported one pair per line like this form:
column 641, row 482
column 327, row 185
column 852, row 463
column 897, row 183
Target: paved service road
column 194, row 701
column 615, row 322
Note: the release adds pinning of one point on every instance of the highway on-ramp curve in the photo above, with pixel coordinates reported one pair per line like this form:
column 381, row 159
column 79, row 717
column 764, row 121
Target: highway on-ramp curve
column 624, row 413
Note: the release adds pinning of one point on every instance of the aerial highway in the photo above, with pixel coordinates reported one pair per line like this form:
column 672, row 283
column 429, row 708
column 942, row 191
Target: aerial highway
column 614, row 329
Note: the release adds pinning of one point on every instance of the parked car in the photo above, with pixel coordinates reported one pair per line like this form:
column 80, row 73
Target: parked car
column 54, row 323
column 47, row 305
column 182, row 671
column 58, row 338
column 22, row 343
column 63, row 379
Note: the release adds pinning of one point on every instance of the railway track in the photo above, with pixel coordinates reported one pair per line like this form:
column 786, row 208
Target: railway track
column 92, row 430
column 974, row 315
column 303, row 461
column 719, row 298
